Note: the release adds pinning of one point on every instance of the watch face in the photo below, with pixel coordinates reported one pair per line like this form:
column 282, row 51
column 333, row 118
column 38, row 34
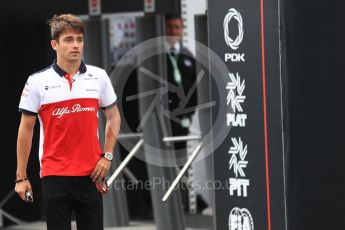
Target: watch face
column 108, row 156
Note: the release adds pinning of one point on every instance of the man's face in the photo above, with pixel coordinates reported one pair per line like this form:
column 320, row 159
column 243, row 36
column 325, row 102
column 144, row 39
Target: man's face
column 69, row 46
column 174, row 30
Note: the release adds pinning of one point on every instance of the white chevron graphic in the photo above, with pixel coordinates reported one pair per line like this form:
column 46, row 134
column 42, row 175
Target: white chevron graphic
column 236, row 89
column 238, row 151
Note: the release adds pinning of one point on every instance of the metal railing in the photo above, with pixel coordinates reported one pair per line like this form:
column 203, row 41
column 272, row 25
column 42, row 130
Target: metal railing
column 125, row 162
column 6, row 214
column 135, row 149
column 183, row 170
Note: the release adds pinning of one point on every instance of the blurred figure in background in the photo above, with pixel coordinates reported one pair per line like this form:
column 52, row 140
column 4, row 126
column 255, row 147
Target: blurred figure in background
column 181, row 71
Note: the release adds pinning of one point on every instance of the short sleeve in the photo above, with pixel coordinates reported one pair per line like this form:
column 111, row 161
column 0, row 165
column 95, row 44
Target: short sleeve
column 30, row 99
column 108, row 96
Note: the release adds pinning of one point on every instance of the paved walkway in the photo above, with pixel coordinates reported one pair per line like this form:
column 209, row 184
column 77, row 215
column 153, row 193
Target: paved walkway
column 134, row 225
column 42, row 226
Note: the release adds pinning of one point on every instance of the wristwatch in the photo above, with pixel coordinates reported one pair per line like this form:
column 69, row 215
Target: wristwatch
column 108, row 155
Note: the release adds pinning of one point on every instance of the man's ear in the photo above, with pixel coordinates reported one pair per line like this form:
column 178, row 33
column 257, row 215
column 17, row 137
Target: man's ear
column 53, row 43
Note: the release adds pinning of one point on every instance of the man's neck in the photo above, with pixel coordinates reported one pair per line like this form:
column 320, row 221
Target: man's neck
column 176, row 45
column 69, row 67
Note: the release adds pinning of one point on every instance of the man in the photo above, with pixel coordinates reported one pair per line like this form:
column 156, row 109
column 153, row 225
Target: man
column 66, row 97
column 182, row 73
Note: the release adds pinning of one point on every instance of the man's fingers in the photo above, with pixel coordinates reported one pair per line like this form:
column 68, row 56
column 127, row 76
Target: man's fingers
column 102, row 175
column 21, row 190
column 22, row 195
column 95, row 174
column 100, row 170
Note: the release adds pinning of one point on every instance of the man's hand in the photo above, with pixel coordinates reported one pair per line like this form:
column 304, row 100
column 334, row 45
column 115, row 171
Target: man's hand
column 21, row 188
column 112, row 128
column 24, row 141
column 101, row 169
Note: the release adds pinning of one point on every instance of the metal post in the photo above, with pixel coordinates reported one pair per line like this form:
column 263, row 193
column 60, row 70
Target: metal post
column 97, row 53
column 115, row 207
column 168, row 215
column 1, row 219
column 204, row 96
column 163, row 7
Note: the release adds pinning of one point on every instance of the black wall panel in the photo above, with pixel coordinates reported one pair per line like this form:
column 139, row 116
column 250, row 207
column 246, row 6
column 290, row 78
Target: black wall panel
column 314, row 45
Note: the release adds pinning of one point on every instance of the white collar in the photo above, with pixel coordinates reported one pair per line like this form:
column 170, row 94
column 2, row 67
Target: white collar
column 177, row 47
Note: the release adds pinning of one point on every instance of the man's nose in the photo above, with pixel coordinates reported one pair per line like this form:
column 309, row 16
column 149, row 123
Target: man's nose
column 76, row 43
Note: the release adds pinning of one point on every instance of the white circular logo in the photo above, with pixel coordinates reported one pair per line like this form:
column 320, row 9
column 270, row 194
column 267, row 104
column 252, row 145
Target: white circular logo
column 234, row 44
column 121, row 78
column 240, row 219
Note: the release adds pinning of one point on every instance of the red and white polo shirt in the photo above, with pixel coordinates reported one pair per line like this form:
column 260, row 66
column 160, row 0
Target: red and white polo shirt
column 68, row 115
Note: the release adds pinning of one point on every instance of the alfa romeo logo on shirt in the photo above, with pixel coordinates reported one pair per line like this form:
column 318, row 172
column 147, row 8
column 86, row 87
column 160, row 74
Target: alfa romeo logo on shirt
column 233, row 14
column 77, row 108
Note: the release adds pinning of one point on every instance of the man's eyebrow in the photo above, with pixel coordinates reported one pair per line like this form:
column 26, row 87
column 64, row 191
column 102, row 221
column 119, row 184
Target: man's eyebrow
column 69, row 37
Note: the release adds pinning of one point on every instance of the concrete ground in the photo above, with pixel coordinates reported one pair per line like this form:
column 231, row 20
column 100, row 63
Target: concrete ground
column 133, row 226
column 193, row 222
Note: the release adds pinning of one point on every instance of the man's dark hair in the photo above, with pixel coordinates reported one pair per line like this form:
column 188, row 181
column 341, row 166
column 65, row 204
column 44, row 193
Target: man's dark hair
column 63, row 22
column 172, row 16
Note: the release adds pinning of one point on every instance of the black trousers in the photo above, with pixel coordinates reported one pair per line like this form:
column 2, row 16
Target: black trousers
column 64, row 194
